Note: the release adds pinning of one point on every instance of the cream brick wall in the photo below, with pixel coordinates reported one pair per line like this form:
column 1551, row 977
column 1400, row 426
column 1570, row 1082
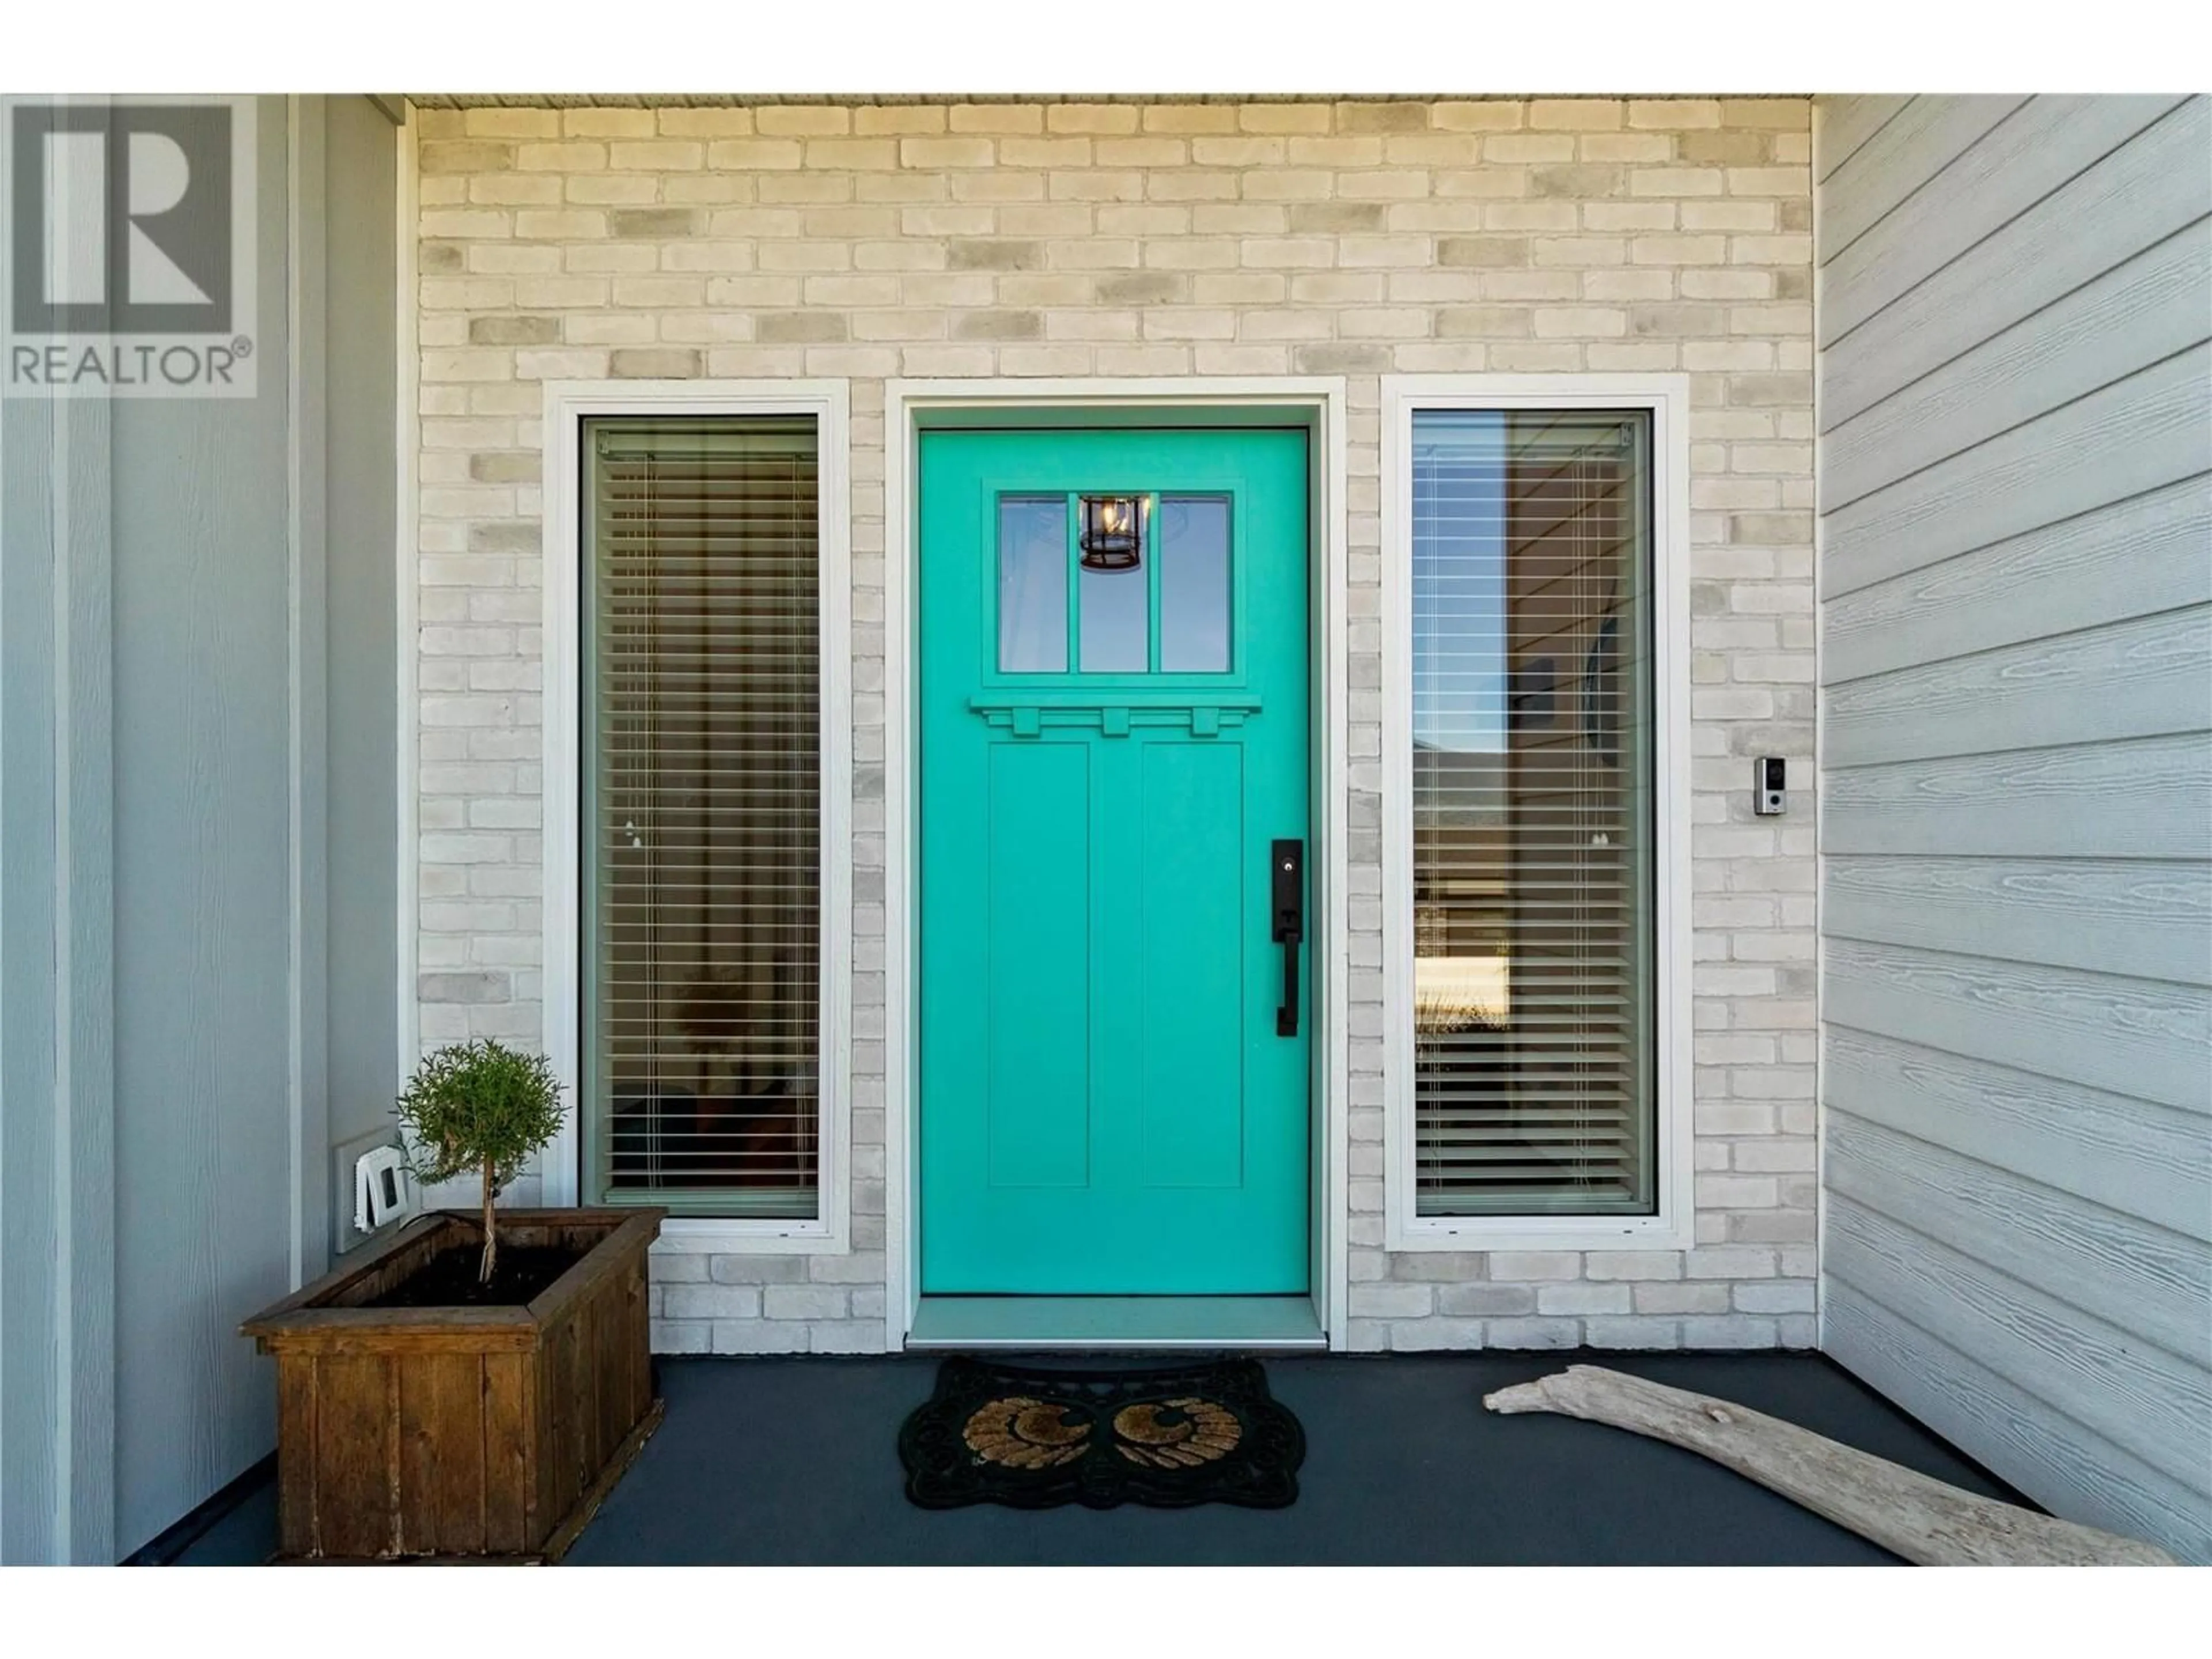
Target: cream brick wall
column 1355, row 239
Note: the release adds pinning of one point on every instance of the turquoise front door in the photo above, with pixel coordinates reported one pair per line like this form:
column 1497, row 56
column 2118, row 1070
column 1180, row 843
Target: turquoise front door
column 1113, row 1046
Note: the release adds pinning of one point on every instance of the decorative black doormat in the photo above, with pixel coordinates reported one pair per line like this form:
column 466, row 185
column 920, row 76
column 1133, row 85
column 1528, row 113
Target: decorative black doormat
column 1169, row 1436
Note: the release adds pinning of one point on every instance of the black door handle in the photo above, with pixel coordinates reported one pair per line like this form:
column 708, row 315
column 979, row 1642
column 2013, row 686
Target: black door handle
column 1287, row 866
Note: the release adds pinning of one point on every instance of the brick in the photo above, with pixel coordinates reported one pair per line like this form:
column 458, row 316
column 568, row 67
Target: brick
column 1728, row 215
column 792, row 327
column 462, row 987
column 1632, row 1334
column 1392, row 1301
column 680, row 1336
column 1625, row 147
column 1096, row 119
column 1780, row 1296
column 735, row 1336
column 1487, row 253
column 802, row 120
column 1580, row 322
column 1431, row 1336
column 1536, row 1265
column 1484, row 1301
column 803, row 1302
column 998, row 325
column 847, row 154
column 997, row 117
column 1674, row 114
column 1732, row 146
column 657, row 155
column 653, row 222
column 753, row 155
column 513, row 331
column 1681, row 1298
column 1485, row 322
column 1528, row 1335
column 705, row 123
column 979, row 255
column 1784, row 114
column 511, row 123
column 1285, row 118
column 1576, row 1300
column 1341, row 359
column 1576, row 114
column 681, row 1301
column 1383, row 117
column 1580, row 181
column 466, row 157
column 1634, row 1265
column 1189, row 119
column 1675, row 181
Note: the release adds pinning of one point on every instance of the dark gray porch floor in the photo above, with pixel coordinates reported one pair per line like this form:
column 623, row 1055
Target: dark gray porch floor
column 793, row 1461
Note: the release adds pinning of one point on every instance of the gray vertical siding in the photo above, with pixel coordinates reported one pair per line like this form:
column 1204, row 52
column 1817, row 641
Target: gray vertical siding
column 204, row 701
column 2014, row 319
column 196, row 726
column 56, row 954
column 362, row 725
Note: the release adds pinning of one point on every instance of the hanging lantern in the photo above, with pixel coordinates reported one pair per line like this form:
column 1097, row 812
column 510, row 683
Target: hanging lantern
column 1112, row 534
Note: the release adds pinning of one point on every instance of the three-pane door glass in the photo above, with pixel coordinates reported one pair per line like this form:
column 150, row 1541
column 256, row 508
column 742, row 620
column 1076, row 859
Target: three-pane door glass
column 1173, row 613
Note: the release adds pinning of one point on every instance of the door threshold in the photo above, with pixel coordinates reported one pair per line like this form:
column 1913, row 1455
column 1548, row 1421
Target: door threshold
column 1275, row 1324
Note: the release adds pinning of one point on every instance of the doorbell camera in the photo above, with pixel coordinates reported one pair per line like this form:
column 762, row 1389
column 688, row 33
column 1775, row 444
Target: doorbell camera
column 1769, row 793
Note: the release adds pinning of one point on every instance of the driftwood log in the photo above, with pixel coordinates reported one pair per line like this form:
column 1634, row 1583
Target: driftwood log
column 1926, row 1521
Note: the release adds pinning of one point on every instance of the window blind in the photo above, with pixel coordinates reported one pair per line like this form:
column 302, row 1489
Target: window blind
column 1533, row 779
column 702, row 815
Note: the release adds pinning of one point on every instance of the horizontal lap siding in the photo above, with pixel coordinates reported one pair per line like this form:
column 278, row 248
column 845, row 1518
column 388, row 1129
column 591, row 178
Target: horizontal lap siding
column 2016, row 298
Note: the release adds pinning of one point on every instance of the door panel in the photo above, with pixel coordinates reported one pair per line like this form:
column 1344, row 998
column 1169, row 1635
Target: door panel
column 1106, row 1106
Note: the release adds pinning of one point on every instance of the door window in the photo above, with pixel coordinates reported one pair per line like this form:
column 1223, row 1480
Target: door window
column 1173, row 611
column 1032, row 585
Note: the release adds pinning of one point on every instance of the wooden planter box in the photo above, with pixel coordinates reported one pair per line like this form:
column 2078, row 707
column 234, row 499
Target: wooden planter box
column 461, row 1433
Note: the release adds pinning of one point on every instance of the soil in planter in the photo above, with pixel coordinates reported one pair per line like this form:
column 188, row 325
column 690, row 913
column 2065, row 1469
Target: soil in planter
column 449, row 1278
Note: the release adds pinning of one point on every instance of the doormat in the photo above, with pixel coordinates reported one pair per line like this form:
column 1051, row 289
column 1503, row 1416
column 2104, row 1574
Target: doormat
column 1168, row 1437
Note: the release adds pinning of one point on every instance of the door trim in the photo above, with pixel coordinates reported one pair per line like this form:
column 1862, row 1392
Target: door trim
column 1318, row 403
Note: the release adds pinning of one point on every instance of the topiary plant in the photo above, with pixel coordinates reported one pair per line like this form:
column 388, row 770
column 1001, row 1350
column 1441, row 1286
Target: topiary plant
column 479, row 1107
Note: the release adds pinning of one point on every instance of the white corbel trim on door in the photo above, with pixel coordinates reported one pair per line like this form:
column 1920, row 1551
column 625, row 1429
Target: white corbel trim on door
column 566, row 405
column 1667, row 397
column 1320, row 402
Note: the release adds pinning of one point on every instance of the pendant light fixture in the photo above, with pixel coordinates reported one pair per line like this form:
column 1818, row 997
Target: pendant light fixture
column 1113, row 532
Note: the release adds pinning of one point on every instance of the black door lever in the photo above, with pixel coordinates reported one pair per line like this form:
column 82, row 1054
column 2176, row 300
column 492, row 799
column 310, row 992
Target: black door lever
column 1287, row 862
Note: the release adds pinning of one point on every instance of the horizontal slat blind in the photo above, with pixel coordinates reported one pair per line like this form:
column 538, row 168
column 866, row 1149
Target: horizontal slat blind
column 702, row 824
column 1532, row 786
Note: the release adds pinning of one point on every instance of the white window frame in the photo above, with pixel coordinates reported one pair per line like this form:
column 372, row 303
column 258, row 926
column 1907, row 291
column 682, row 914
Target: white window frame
column 568, row 403
column 1667, row 397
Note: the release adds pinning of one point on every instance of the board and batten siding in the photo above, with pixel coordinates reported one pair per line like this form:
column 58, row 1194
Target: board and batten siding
column 198, row 648
column 2014, row 322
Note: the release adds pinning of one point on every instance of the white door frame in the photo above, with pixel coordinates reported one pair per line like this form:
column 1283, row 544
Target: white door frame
column 1317, row 403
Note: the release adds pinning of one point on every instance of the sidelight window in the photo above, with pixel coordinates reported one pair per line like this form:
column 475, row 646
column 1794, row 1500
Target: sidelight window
column 1526, row 838
column 702, row 830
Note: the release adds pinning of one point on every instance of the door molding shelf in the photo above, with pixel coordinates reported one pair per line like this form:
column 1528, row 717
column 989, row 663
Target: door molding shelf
column 1027, row 715
column 1242, row 1324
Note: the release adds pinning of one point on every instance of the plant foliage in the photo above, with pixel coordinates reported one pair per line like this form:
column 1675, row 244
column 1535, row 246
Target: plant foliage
column 481, row 1109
